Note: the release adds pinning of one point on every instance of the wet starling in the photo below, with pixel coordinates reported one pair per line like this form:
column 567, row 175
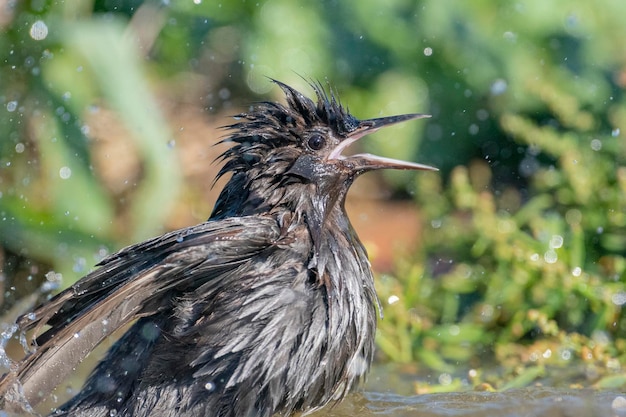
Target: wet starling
column 267, row 307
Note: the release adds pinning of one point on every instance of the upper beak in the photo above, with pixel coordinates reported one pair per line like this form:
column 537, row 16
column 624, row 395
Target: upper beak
column 367, row 162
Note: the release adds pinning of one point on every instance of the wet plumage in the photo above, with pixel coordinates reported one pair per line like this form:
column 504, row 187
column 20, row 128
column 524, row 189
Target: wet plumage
column 267, row 307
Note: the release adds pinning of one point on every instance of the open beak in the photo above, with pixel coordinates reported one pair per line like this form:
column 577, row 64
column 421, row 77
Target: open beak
column 367, row 162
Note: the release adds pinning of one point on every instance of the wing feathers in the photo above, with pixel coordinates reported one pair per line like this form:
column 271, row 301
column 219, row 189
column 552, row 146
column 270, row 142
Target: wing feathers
column 138, row 281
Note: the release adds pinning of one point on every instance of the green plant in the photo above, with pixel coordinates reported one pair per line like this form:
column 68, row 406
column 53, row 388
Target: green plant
column 507, row 271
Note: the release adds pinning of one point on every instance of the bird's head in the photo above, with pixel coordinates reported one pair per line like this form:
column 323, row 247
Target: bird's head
column 280, row 149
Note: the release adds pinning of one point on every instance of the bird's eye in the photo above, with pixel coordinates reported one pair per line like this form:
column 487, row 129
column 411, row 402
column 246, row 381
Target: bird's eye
column 316, row 142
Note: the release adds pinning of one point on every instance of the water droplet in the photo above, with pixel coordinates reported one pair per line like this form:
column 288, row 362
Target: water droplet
column 19, row 148
column 39, row 30
column 80, row 265
column 7, row 333
column 65, row 172
column 615, row 132
column 150, row 331
column 24, row 342
column 171, row 143
column 510, row 36
column 11, row 106
column 5, row 363
column 482, row 114
column 428, row 51
column 224, row 93
column 498, row 87
column 445, row 379
column 566, row 355
column 596, row 144
column 619, row 299
column 577, row 271
column 556, row 241
column 550, row 256
column 486, row 312
column 209, row 386
column 393, row 299
column 573, row 216
column 619, row 403
column 528, row 166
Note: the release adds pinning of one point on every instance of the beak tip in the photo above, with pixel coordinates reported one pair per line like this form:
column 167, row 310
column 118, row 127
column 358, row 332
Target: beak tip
column 417, row 116
column 429, row 168
column 372, row 125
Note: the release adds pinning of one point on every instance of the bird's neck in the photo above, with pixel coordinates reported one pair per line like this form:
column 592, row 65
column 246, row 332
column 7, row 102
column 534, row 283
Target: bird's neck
column 316, row 221
column 267, row 189
column 263, row 191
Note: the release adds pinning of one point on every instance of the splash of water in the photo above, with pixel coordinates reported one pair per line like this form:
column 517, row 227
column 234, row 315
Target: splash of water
column 7, row 334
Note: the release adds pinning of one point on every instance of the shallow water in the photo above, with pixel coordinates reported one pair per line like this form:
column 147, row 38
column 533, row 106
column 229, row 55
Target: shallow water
column 527, row 402
column 381, row 397
column 389, row 392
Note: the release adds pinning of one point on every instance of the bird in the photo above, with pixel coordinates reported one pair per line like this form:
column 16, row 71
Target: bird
column 267, row 307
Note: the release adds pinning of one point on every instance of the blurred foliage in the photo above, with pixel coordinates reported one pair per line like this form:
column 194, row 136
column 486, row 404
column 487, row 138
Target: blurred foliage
column 525, row 229
column 526, row 270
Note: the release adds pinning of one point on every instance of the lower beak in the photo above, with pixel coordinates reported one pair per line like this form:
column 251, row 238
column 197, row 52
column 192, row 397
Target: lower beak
column 367, row 162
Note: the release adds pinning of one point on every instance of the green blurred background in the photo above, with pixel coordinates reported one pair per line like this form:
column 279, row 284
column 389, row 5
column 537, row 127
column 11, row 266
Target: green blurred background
column 109, row 110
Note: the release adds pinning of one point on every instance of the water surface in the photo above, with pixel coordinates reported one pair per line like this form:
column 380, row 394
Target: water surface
column 527, row 402
column 390, row 391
